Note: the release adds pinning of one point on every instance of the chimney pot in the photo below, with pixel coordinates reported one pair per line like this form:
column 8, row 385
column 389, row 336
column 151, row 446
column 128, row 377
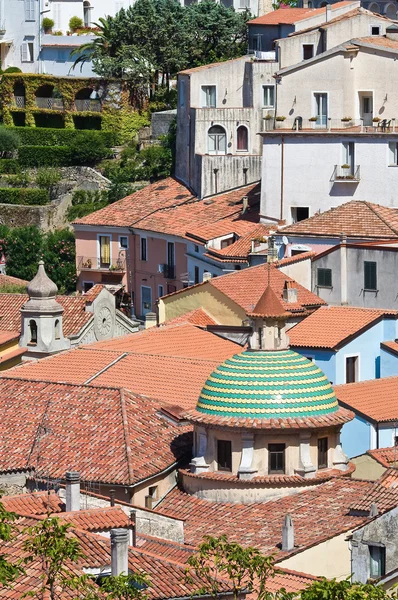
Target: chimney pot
column 374, row 511
column 119, row 551
column 287, row 534
column 245, row 204
column 290, row 292
column 150, row 320
column 133, row 530
column 206, row 276
column 148, row 502
column 112, row 497
column 72, row 479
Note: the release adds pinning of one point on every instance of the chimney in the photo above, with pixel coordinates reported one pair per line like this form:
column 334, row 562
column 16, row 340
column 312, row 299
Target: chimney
column 328, row 12
column 272, row 252
column 287, row 534
column 392, row 32
column 245, row 204
column 148, row 502
column 150, row 320
column 206, row 276
column 374, row 511
column 119, row 551
column 72, row 490
column 112, row 497
column 133, row 527
column 290, row 292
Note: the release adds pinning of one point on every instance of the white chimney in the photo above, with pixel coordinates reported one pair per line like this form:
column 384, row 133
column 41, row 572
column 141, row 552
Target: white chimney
column 150, row 320
column 206, row 276
column 287, row 534
column 245, row 204
column 290, row 292
column 119, row 552
column 328, row 12
column 72, row 490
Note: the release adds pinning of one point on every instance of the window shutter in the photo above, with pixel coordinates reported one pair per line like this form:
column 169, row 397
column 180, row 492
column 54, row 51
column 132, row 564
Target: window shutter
column 24, row 52
column 29, row 10
column 370, row 274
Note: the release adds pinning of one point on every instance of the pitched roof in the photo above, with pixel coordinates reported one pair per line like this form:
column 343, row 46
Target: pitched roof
column 376, row 399
column 381, row 41
column 125, row 438
column 333, row 326
column 269, row 305
column 9, row 280
column 169, row 207
column 291, row 581
column 198, row 317
column 388, row 457
column 97, row 519
column 357, row 219
column 33, row 503
column 390, row 346
column 290, row 16
column 317, row 514
column 359, row 10
column 384, row 494
column 239, row 250
column 74, row 317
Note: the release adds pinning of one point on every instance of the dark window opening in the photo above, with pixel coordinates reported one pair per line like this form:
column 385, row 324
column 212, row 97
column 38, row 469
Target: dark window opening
column 370, row 275
column 377, row 561
column 276, row 458
column 224, row 455
column 351, row 368
column 33, row 332
column 196, row 276
column 300, row 213
column 170, row 254
column 242, row 138
column 87, row 285
column 323, row 453
column 57, row 330
column 324, row 277
column 375, row 30
column 144, row 254
column 308, row 51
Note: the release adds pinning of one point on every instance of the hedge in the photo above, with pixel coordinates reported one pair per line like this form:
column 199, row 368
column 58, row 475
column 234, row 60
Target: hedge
column 9, row 165
column 45, row 136
column 27, row 196
column 44, row 156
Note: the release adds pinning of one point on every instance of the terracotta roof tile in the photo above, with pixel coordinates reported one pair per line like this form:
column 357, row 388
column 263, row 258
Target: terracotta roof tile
column 388, row 457
column 384, row 494
column 198, row 317
column 291, row 581
column 391, row 346
column 381, row 41
column 238, row 224
column 34, row 503
column 317, row 514
column 269, row 305
column 9, row 280
column 356, row 219
column 108, row 435
column 332, row 326
column 375, row 398
column 289, row 16
column 8, row 336
column 242, row 247
column 97, row 519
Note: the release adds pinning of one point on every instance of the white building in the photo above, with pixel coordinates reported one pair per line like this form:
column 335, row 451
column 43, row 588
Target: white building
column 334, row 138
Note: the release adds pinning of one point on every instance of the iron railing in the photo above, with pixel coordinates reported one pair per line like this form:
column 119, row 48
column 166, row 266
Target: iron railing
column 50, row 103
column 346, row 174
column 94, row 263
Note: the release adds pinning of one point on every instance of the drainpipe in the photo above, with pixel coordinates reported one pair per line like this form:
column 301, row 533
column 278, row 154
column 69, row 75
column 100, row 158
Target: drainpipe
column 282, row 175
column 343, row 269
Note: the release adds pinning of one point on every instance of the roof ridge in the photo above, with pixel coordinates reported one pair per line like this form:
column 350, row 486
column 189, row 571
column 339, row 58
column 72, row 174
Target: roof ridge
column 36, row 440
column 126, row 432
column 371, row 206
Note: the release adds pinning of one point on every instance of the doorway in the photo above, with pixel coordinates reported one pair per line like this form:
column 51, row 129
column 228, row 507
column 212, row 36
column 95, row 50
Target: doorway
column 366, row 107
column 146, row 300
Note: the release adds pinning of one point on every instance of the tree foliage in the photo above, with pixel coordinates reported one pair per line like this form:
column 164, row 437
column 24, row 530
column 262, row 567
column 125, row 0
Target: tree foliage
column 9, row 142
column 8, row 570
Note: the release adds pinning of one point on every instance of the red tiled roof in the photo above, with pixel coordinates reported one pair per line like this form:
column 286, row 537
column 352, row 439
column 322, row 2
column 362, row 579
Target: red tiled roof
column 384, row 494
column 355, row 218
column 9, row 280
column 109, row 435
column 381, row 41
column 241, row 248
column 333, row 326
column 317, row 514
column 8, row 336
column 34, row 503
column 97, row 519
column 291, row 581
column 74, row 317
column 270, row 306
column 391, row 345
column 375, row 398
column 238, row 224
column 388, row 457
column 198, row 317
column 290, row 16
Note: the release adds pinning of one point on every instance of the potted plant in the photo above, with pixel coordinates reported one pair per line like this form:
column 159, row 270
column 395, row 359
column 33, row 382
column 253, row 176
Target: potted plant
column 346, row 119
column 313, row 119
column 47, row 24
column 75, row 23
column 376, row 119
column 280, row 118
column 88, row 264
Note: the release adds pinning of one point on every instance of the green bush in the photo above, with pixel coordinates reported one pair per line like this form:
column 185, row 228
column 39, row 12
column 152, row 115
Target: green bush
column 13, row 70
column 19, row 180
column 47, row 24
column 75, row 23
column 48, row 177
column 9, row 142
column 88, row 149
column 27, row 196
column 43, row 156
column 9, row 165
column 48, row 136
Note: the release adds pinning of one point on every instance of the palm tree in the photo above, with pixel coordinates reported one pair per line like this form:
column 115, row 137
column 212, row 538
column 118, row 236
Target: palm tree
column 101, row 45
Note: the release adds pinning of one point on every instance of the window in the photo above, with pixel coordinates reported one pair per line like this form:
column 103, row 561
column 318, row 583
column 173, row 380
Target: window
column 242, row 136
column 181, row 92
column 209, row 96
column 377, row 555
column 57, row 330
column 124, row 241
column 105, row 251
column 244, row 4
column 224, row 455
column 308, row 51
column 255, row 43
column 323, row 453
column 61, row 56
column 349, row 156
column 351, row 369
column 29, row 10
column 228, row 242
column 153, row 492
column 27, row 51
column 87, row 285
column 393, row 153
column 144, row 249
column 86, row 13
column 299, row 213
column 217, row 140
column 269, row 96
column 196, row 248
column 375, row 30
column 170, row 254
column 33, row 332
column 160, row 291
column 324, row 277
column 197, row 275
column 370, row 275
column 276, row 458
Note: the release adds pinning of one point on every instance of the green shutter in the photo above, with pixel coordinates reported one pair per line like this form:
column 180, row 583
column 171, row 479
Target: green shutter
column 324, row 277
column 370, row 275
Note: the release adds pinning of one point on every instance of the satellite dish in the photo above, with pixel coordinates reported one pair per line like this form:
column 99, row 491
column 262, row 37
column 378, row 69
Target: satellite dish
column 285, row 240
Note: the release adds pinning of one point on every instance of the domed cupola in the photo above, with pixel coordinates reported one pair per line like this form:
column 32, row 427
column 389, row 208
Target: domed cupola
column 41, row 286
column 267, row 421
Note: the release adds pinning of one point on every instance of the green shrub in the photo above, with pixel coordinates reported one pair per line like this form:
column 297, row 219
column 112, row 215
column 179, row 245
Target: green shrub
column 48, row 136
column 48, row 177
column 89, row 197
column 12, row 288
column 19, row 180
column 26, row 196
column 13, row 70
column 75, row 23
column 88, row 149
column 47, row 24
column 9, row 165
column 81, row 210
column 43, row 156
column 9, row 142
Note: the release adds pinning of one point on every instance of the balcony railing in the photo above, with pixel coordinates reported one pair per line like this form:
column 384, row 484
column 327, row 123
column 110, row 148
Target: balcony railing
column 346, row 174
column 169, row 271
column 323, row 123
column 88, row 105
column 19, row 101
column 90, row 263
column 50, row 103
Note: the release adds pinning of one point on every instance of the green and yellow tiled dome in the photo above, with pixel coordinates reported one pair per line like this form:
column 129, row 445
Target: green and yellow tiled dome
column 267, row 385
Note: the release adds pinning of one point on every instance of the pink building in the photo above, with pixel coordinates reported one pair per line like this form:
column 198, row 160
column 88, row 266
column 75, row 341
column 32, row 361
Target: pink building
column 140, row 241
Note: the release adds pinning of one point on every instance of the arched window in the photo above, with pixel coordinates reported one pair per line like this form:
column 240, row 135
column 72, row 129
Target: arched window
column 309, row 4
column 242, row 136
column 33, row 331
column 391, row 11
column 323, row 4
column 217, row 140
column 87, row 13
column 374, row 7
column 57, row 329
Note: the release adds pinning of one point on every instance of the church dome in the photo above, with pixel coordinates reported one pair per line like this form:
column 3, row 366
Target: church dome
column 41, row 286
column 267, row 385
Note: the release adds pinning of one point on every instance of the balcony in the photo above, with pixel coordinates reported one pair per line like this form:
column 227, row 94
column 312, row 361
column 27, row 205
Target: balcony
column 19, row 101
column 88, row 105
column 169, row 271
column 326, row 124
column 346, row 174
column 50, row 103
column 94, row 264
